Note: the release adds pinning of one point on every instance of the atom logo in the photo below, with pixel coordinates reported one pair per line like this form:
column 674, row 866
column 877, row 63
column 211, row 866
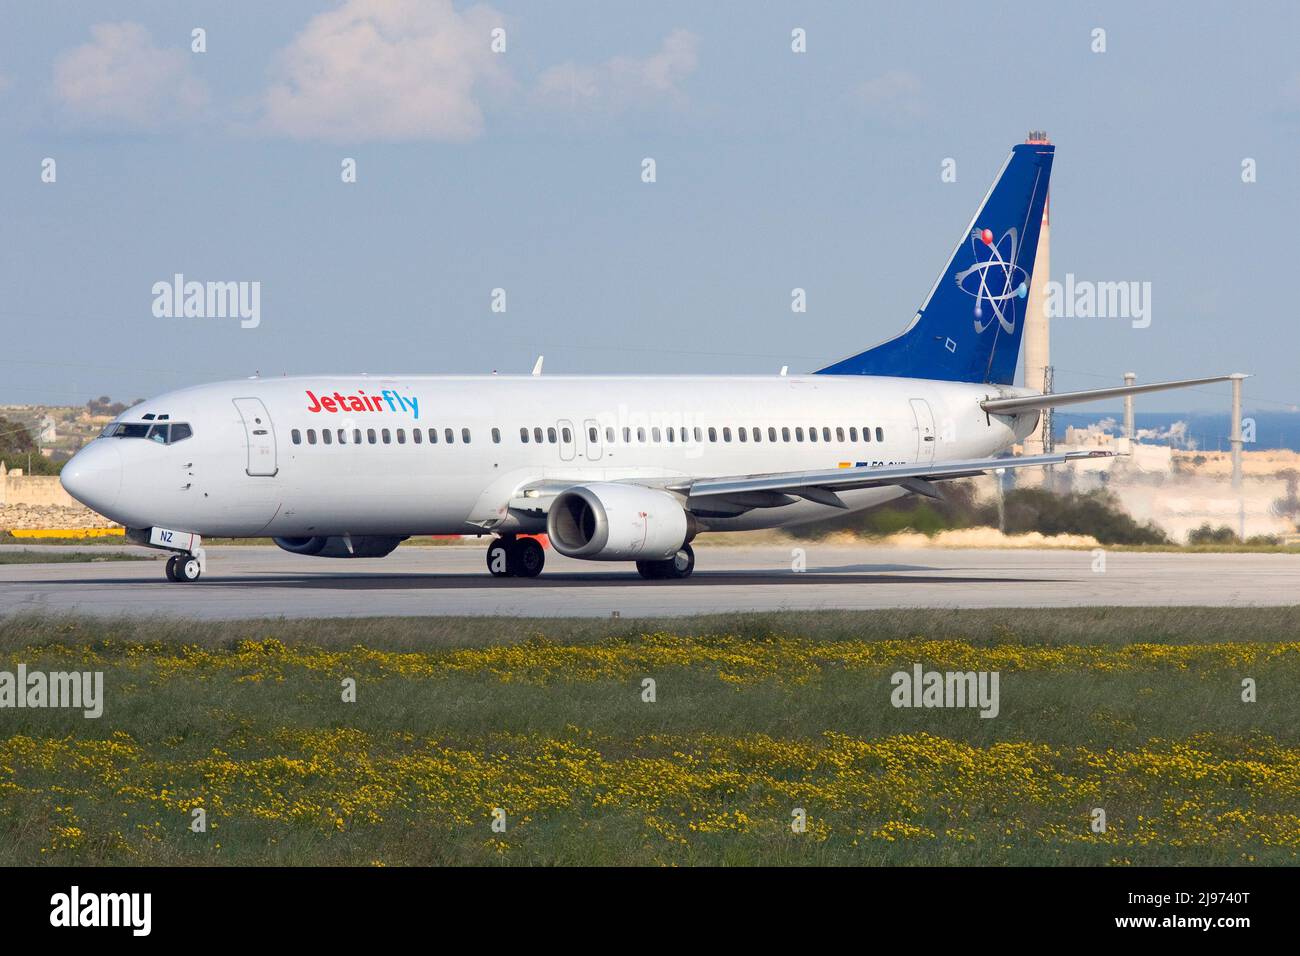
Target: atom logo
column 996, row 281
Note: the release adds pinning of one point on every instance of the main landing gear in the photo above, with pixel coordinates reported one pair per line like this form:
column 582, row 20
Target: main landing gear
column 183, row 568
column 512, row 557
column 680, row 565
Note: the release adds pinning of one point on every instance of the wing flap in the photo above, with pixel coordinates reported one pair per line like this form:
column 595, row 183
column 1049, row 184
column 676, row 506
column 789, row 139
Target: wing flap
column 821, row 486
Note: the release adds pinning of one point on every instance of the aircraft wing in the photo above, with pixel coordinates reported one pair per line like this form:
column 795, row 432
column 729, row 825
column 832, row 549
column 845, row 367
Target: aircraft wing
column 770, row 491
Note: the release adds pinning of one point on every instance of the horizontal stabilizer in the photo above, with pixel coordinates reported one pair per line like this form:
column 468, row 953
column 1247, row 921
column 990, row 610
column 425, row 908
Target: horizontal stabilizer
column 1025, row 403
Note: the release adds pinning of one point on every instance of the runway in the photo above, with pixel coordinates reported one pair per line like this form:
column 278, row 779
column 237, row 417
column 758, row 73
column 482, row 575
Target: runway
column 245, row 582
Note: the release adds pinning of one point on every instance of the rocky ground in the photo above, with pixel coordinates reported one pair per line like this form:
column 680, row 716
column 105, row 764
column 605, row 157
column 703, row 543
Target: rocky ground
column 22, row 517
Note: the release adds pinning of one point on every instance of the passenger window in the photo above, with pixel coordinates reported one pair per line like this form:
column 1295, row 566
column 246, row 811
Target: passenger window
column 449, row 436
column 839, row 433
column 699, row 433
column 417, row 435
column 496, row 436
column 866, row 433
column 567, row 435
column 640, row 435
column 627, row 435
column 523, row 435
column 880, row 433
column 297, row 436
column 826, row 433
column 356, row 436
column 591, row 434
column 798, row 433
column 771, row 433
column 433, row 436
column 669, row 432
column 655, row 435
column 537, row 435
column 327, row 436
column 370, row 435
column 343, row 436
column 609, row 434
column 386, row 435
column 464, row 435
column 311, row 436
column 758, row 434
column 713, row 433
column 812, row 434
column 401, row 436
column 740, row 433
column 853, row 433
column 550, row 435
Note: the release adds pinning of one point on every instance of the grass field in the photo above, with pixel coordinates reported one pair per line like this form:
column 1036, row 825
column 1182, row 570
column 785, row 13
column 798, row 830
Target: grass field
column 49, row 556
column 1135, row 711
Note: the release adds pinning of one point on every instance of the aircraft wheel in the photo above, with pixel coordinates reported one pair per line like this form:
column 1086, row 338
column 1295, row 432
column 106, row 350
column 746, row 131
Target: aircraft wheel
column 187, row 568
column 171, row 568
column 528, row 559
column 677, row 567
column 501, row 559
column 649, row 570
column 682, row 563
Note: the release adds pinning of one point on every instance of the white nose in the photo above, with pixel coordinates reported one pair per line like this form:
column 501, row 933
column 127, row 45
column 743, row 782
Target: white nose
column 94, row 475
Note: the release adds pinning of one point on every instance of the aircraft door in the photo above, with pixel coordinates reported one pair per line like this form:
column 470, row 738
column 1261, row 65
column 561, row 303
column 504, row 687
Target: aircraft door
column 261, row 437
column 925, row 437
column 568, row 441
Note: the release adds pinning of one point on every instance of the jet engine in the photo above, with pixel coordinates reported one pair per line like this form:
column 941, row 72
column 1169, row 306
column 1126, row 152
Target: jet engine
column 604, row 521
column 343, row 546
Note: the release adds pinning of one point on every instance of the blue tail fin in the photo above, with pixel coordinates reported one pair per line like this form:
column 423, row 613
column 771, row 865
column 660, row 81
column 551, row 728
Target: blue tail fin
column 969, row 327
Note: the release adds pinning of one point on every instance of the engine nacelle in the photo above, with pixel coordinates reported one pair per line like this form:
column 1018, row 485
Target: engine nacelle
column 604, row 521
column 343, row 546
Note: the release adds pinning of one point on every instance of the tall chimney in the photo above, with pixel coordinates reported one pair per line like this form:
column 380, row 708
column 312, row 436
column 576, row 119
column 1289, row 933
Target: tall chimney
column 1037, row 329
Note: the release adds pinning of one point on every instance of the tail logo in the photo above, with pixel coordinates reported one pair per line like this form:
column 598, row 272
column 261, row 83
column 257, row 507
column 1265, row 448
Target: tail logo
column 994, row 280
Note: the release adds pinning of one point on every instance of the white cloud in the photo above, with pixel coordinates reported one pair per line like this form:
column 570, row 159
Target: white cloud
column 386, row 70
column 120, row 80
column 623, row 82
column 895, row 95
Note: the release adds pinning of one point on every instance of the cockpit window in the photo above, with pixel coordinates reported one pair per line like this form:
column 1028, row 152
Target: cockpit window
column 160, row 432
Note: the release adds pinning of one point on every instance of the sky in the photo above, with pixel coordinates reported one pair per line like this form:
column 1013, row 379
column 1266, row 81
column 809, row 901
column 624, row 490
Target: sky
column 521, row 169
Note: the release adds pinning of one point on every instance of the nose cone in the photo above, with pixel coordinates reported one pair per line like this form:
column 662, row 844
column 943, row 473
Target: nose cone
column 94, row 475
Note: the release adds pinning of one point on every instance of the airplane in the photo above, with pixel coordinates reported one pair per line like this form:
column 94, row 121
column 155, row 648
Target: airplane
column 610, row 468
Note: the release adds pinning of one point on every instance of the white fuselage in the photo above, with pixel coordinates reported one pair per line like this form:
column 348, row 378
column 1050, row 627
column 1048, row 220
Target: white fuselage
column 258, row 463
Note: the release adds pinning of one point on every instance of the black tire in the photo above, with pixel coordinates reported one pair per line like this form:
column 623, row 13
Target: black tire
column 171, row 568
column 650, row 570
column 500, row 558
column 677, row 567
column 681, row 564
column 528, row 558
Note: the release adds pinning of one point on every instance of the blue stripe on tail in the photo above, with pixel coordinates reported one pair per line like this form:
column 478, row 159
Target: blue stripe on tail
column 969, row 327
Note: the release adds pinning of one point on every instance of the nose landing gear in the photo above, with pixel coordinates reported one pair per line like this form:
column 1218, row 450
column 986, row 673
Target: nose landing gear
column 183, row 568
column 515, row 558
